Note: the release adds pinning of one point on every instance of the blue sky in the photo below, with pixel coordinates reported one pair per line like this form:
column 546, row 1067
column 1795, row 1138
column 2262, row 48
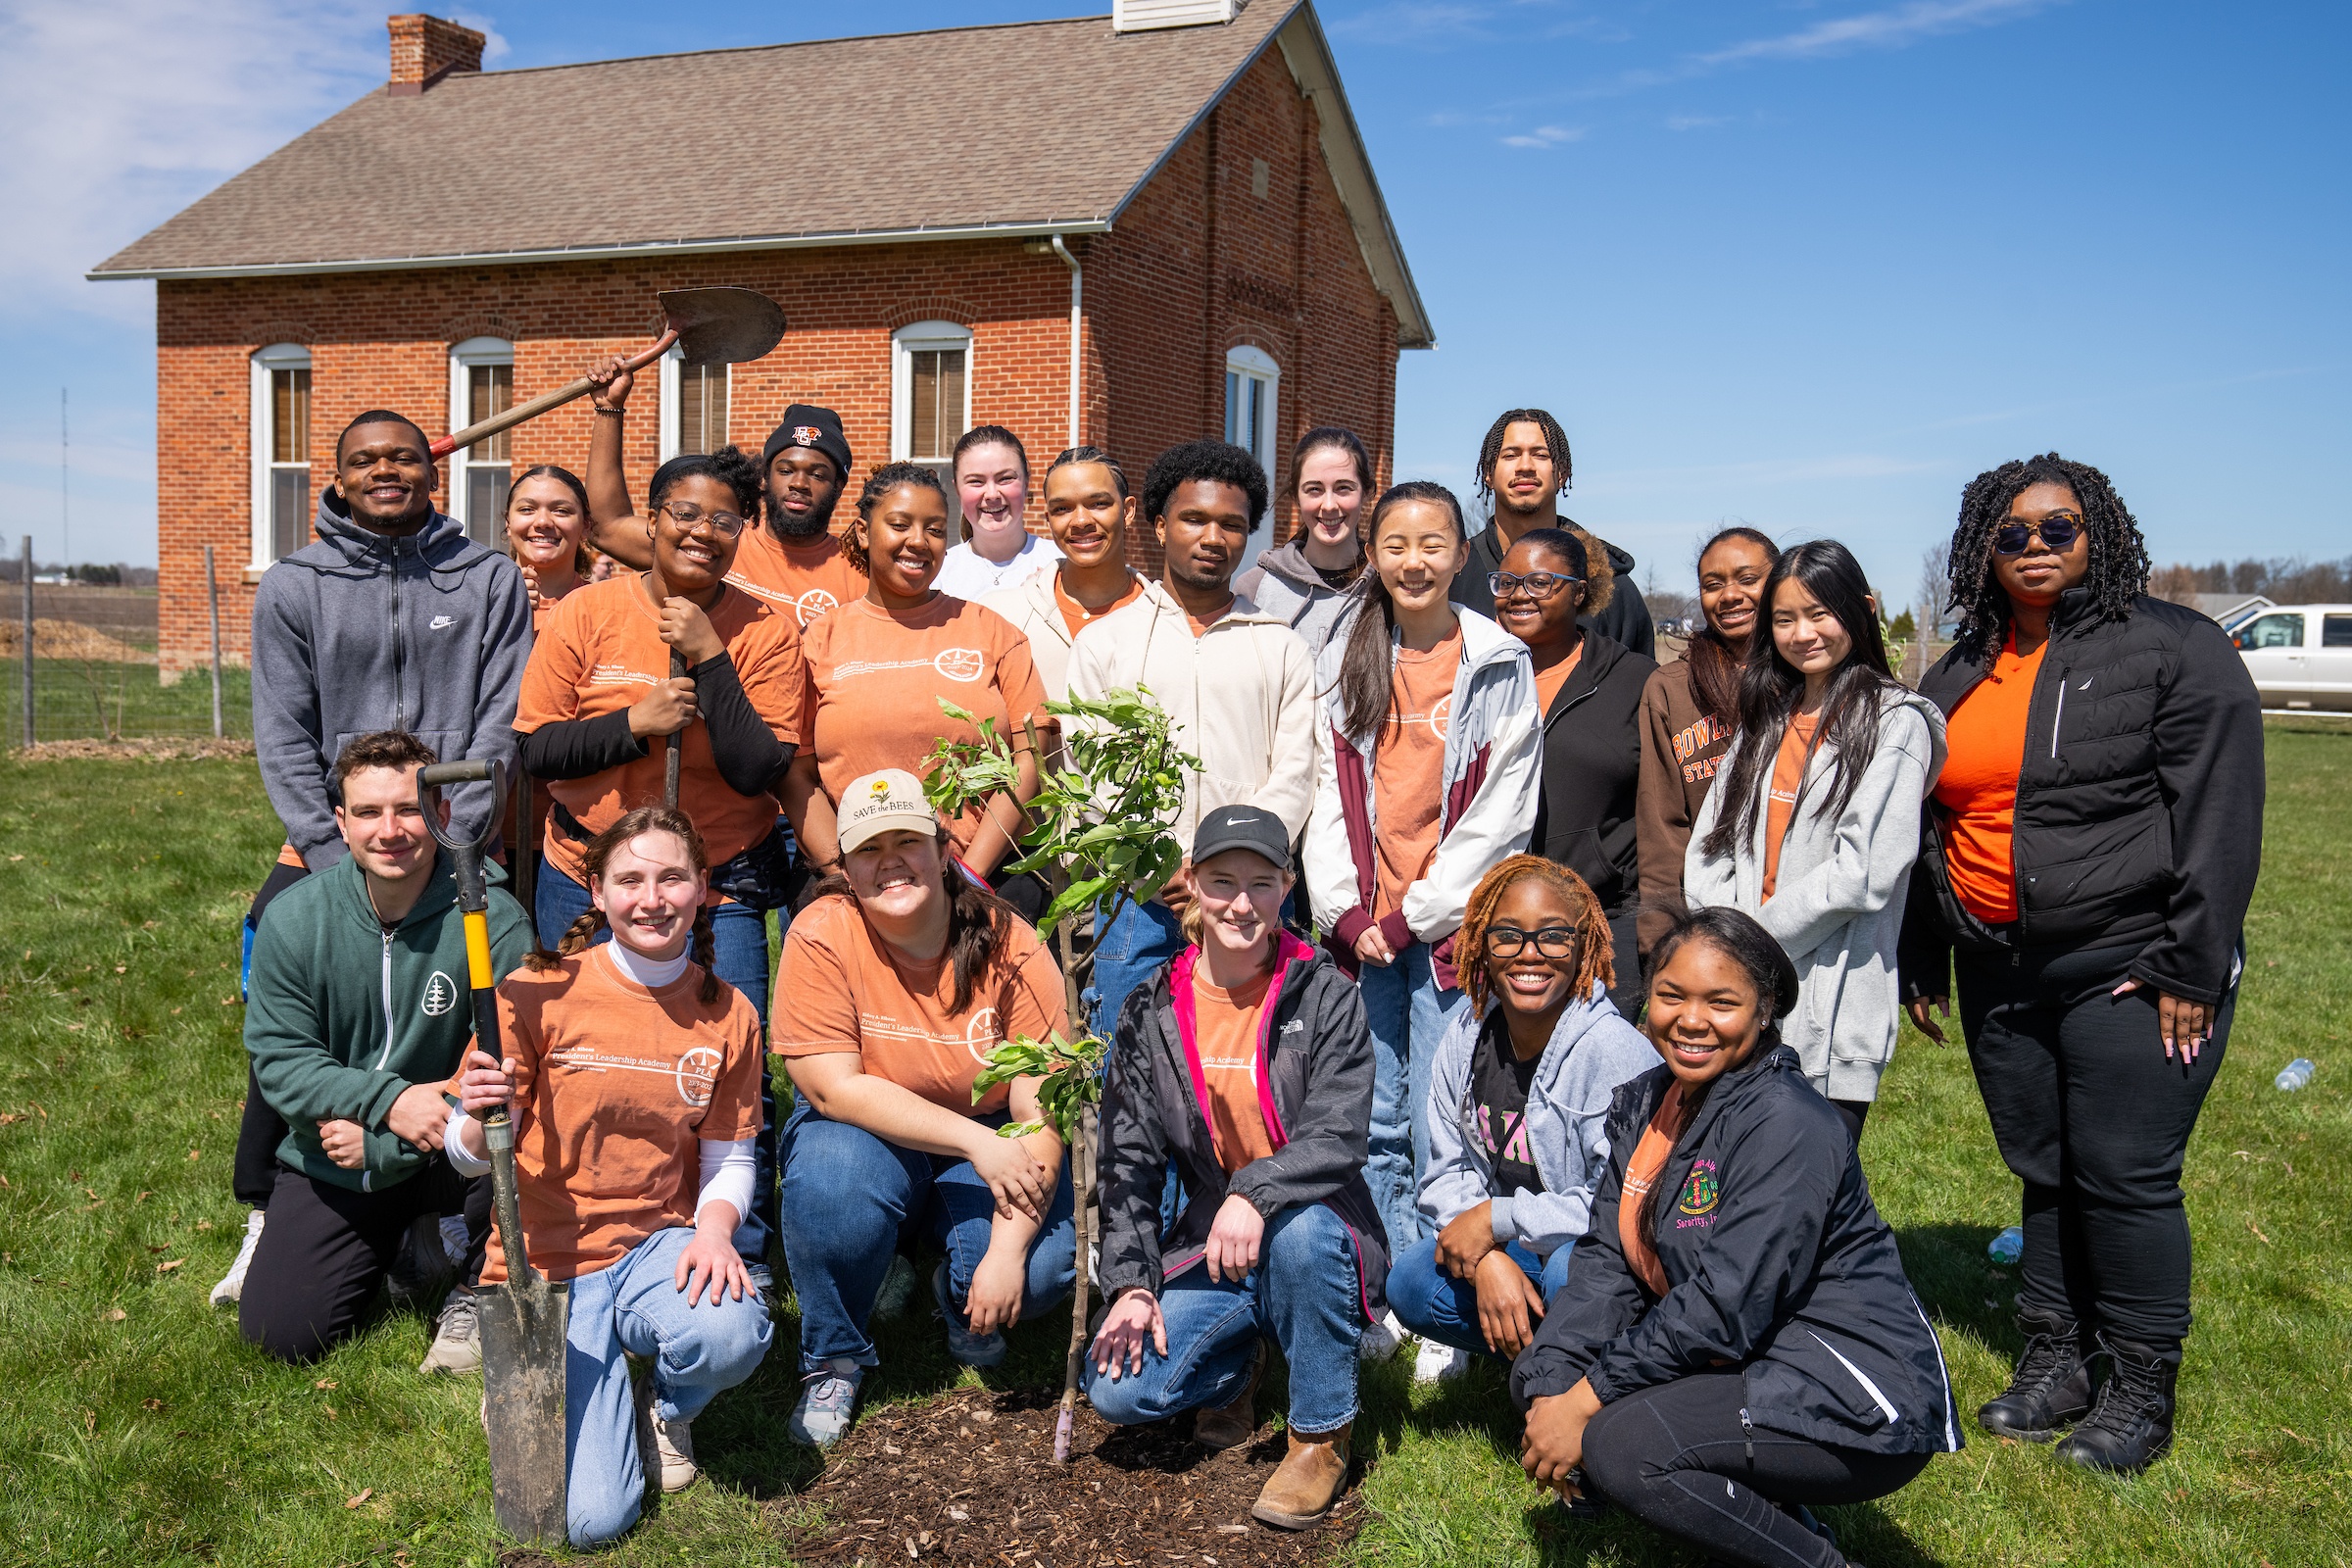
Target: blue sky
column 1810, row 265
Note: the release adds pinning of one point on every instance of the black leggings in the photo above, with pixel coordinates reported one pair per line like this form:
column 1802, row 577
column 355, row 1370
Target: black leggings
column 326, row 1249
column 254, row 1174
column 2095, row 1121
column 1676, row 1458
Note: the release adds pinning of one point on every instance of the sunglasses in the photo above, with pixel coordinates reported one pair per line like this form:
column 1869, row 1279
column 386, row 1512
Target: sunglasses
column 1535, row 584
column 2059, row 530
column 1553, row 941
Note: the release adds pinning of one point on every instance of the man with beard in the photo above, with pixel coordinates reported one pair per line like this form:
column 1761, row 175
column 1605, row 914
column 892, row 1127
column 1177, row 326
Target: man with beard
column 1237, row 683
column 1523, row 466
column 793, row 562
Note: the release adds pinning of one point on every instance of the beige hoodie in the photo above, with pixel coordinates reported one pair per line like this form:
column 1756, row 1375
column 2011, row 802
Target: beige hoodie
column 1241, row 696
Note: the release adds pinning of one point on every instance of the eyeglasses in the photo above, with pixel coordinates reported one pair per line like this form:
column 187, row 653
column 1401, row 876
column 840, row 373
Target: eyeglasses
column 685, row 514
column 2058, row 530
column 1553, row 941
column 1535, row 584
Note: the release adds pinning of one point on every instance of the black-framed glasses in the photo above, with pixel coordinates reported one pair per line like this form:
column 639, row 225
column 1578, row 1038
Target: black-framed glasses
column 1535, row 584
column 2059, row 530
column 686, row 514
column 1553, row 941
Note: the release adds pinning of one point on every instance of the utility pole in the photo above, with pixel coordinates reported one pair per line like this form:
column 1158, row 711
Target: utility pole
column 64, row 496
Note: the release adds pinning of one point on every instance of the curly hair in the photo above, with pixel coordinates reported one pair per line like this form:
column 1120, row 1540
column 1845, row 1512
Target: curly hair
column 1555, row 440
column 1220, row 461
column 702, row 947
column 730, row 465
column 1589, row 556
column 1597, row 954
column 880, row 483
column 2119, row 556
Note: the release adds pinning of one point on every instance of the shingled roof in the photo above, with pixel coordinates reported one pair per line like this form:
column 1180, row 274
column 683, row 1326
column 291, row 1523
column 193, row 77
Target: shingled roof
column 1030, row 128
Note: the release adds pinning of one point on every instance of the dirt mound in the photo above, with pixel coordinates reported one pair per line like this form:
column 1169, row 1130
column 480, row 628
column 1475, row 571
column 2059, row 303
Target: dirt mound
column 69, row 639
column 163, row 749
column 969, row 1478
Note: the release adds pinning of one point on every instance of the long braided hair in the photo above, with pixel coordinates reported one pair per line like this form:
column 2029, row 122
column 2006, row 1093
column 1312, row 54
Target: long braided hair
column 2119, row 556
column 1596, row 955
column 702, row 947
column 1555, row 440
column 1714, row 668
column 979, row 923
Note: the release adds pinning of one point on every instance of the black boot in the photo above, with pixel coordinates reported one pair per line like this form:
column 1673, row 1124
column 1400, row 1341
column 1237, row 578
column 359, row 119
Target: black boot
column 2050, row 1390
column 2133, row 1426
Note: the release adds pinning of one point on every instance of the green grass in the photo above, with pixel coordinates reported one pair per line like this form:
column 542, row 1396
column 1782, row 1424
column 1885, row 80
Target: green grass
column 156, row 1437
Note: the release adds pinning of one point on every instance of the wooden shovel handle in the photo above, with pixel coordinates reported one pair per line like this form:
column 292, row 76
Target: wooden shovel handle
column 539, row 405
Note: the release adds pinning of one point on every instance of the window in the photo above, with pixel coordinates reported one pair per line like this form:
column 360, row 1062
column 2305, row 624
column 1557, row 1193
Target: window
column 282, row 452
column 481, row 384
column 693, row 405
column 2271, row 631
column 931, row 397
column 2335, row 631
column 1252, row 379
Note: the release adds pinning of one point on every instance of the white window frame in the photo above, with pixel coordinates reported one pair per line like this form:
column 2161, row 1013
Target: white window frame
column 463, row 359
column 1248, row 366
column 905, row 343
column 263, row 428
column 672, row 367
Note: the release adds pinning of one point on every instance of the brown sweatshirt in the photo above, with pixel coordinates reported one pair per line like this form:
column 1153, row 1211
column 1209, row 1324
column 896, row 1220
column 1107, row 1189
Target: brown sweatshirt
column 1681, row 748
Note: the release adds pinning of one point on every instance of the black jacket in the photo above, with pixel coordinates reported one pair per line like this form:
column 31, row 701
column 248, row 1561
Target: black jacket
column 2139, row 810
column 1625, row 622
column 1776, row 1261
column 1593, row 771
column 1314, row 1055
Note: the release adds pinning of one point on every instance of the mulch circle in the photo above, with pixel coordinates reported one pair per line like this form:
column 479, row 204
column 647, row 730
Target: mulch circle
column 969, row 1477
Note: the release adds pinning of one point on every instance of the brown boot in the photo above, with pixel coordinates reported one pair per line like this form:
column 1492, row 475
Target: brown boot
column 1309, row 1481
column 1229, row 1426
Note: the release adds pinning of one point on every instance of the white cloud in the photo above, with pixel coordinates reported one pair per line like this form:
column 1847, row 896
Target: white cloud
column 1547, row 136
column 1891, row 29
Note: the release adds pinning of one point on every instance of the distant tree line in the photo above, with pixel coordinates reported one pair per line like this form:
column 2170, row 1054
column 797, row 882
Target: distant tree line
column 87, row 574
column 2283, row 580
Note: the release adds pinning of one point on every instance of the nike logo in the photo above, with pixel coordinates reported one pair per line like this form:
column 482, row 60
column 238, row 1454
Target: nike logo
column 440, row 621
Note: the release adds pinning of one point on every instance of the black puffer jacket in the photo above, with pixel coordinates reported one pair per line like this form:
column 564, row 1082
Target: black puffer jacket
column 1314, row 1054
column 1593, row 771
column 2139, row 810
column 1777, row 1262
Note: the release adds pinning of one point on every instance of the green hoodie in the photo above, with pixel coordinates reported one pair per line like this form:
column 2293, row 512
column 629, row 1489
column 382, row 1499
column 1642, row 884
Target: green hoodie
column 343, row 1014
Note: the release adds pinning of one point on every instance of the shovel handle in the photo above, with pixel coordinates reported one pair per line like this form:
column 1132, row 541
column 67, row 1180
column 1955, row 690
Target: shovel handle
column 673, row 756
column 539, row 405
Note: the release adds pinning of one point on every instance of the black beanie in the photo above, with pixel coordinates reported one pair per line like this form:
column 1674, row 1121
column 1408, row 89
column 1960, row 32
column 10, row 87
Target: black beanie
column 808, row 425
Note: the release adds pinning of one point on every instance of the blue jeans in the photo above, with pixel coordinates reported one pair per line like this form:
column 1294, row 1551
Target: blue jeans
column 1407, row 1014
column 739, row 956
column 847, row 1193
column 634, row 1307
column 1303, row 1292
column 1435, row 1305
column 1140, row 938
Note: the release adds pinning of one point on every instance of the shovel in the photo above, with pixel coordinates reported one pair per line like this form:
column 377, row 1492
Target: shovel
column 524, row 1320
column 710, row 326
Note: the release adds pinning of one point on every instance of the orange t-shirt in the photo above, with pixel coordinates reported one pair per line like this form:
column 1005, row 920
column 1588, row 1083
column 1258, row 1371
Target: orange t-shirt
column 875, row 678
column 615, row 1089
column 1225, row 1025
column 1787, row 776
column 1407, row 766
column 804, row 580
column 1201, row 626
column 1550, row 681
column 1077, row 618
column 847, row 994
column 1985, row 752
column 601, row 649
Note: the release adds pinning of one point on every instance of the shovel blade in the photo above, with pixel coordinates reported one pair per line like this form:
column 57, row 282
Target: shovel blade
column 722, row 325
column 524, row 1323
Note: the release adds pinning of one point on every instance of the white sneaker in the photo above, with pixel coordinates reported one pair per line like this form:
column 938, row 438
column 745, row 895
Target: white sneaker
column 232, row 1282
column 1439, row 1363
column 673, row 1446
column 828, row 1399
column 1382, row 1340
column 457, row 1350
column 454, row 1238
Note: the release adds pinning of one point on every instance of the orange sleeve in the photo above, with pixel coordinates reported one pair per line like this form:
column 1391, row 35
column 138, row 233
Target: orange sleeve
column 733, row 1113
column 556, row 669
column 822, row 1019
column 775, row 675
column 804, row 718
column 1016, row 678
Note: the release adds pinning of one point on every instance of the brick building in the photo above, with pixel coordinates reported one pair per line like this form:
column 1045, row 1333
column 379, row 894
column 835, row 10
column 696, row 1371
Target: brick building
column 1130, row 230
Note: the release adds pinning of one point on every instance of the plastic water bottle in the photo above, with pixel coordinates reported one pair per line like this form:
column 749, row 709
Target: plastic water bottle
column 2008, row 1247
column 2294, row 1075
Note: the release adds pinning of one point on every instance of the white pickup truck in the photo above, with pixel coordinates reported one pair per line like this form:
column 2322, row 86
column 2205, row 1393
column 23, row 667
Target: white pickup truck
column 2301, row 655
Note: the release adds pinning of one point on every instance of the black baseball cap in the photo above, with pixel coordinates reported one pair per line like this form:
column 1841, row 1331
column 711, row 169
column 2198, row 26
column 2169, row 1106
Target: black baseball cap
column 808, row 425
column 1243, row 827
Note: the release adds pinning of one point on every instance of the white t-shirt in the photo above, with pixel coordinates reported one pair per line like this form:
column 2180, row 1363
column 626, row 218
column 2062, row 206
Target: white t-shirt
column 967, row 573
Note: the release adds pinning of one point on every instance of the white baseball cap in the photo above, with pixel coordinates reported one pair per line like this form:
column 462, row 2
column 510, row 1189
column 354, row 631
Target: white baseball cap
column 886, row 799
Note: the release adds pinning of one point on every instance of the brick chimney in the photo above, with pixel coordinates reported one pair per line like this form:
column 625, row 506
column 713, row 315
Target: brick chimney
column 424, row 49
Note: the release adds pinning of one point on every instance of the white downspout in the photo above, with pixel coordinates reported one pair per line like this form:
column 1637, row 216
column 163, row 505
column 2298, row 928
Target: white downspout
column 1077, row 283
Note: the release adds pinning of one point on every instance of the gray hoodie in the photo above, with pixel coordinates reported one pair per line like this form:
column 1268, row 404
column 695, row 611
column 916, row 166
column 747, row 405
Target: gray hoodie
column 1837, row 906
column 357, row 632
column 1283, row 583
column 1592, row 1049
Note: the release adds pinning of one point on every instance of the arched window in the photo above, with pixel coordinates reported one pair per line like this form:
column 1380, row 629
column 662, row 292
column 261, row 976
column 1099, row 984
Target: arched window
column 930, row 396
column 281, row 451
column 481, row 384
column 1252, row 381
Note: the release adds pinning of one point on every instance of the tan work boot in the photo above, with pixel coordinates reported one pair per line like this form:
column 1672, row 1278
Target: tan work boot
column 1309, row 1481
column 1229, row 1426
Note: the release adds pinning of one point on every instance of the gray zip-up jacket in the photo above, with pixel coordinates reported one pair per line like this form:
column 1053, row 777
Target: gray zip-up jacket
column 1838, row 903
column 356, row 633
column 1591, row 1051
column 1284, row 583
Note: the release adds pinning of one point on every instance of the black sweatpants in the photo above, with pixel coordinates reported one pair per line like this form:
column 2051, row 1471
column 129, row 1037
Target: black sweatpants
column 2095, row 1122
column 324, row 1252
column 253, row 1177
column 1676, row 1458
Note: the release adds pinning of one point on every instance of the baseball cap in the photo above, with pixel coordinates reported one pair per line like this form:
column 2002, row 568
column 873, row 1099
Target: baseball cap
column 889, row 798
column 808, row 425
column 1243, row 827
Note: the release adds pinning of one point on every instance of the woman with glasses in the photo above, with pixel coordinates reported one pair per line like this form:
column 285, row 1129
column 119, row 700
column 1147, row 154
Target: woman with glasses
column 2091, row 849
column 1588, row 691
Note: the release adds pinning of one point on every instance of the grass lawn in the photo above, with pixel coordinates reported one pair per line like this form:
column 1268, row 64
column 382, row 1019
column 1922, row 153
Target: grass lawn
column 137, row 1426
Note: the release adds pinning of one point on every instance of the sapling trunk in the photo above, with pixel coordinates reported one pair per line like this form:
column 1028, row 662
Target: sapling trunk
column 1075, row 968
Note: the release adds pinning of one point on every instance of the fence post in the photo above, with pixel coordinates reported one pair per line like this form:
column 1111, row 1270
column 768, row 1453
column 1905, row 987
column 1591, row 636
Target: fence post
column 211, row 592
column 27, row 650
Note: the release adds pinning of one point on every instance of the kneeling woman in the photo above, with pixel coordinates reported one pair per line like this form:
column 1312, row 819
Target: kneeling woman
column 633, row 1077
column 1735, row 1338
column 1245, row 1064
column 1518, row 1101
column 905, row 973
